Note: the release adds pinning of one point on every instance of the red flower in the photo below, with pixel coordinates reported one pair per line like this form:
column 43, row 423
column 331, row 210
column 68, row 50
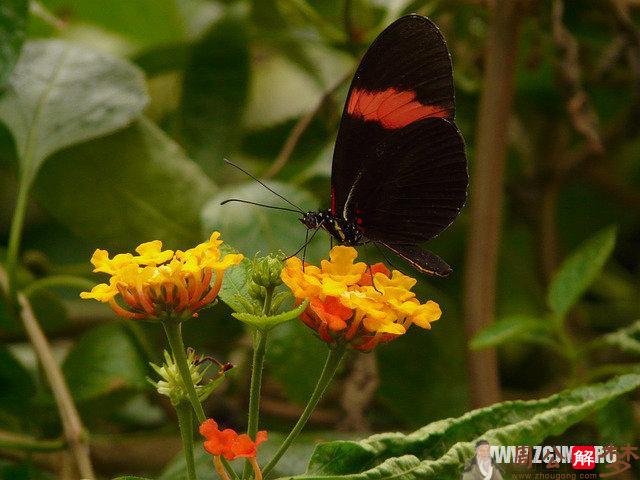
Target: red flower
column 228, row 443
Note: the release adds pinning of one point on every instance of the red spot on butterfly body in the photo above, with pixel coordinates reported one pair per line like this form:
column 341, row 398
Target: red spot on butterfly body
column 392, row 108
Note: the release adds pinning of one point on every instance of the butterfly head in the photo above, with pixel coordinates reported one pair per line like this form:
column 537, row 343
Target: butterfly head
column 314, row 220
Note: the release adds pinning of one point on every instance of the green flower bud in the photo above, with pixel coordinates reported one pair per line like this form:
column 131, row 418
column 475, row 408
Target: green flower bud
column 265, row 271
column 171, row 384
column 256, row 291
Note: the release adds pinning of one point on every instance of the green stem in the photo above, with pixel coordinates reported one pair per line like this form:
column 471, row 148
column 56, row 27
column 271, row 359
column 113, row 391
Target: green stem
column 330, row 367
column 185, row 421
column 15, row 236
column 259, row 351
column 173, row 329
column 21, row 442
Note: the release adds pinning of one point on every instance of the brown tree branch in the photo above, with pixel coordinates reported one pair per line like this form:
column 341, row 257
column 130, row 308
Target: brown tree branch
column 358, row 392
column 487, row 195
column 298, row 130
column 74, row 432
column 581, row 112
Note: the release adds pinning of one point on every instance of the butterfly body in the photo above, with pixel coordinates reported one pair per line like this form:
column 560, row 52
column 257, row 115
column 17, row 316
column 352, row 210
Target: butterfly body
column 345, row 232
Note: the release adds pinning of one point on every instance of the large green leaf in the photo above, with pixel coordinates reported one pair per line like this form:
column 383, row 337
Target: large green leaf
column 131, row 186
column 215, row 90
column 103, row 361
column 13, row 17
column 438, row 450
column 579, row 270
column 142, row 23
column 61, row 94
column 250, row 228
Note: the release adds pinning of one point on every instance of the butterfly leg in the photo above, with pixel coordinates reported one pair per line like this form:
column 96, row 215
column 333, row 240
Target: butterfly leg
column 386, row 259
column 366, row 259
column 307, row 241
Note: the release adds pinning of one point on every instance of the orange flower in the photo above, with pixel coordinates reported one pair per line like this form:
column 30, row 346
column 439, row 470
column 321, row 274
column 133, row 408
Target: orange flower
column 228, row 443
column 351, row 303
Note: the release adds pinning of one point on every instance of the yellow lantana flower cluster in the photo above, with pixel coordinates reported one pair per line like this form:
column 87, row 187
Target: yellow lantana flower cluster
column 350, row 302
column 155, row 282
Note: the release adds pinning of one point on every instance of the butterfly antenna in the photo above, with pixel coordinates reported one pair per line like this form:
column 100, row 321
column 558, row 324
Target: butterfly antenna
column 307, row 241
column 298, row 209
column 259, row 204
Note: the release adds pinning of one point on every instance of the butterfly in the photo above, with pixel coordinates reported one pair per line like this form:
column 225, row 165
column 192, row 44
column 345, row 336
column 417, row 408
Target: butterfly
column 399, row 173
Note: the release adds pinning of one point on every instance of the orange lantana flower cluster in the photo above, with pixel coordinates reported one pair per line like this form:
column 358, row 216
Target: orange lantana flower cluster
column 229, row 444
column 155, row 282
column 349, row 302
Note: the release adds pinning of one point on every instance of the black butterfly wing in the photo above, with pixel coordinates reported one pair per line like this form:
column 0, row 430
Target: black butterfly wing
column 405, row 76
column 412, row 185
column 422, row 260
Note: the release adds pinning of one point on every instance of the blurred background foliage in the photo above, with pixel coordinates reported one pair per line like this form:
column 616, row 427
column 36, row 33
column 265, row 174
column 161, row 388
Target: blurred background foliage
column 263, row 83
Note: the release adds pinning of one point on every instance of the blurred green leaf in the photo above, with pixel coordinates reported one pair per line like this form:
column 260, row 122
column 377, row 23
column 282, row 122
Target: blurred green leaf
column 616, row 422
column 18, row 388
column 438, row 450
column 143, row 23
column 422, row 374
column 47, row 307
column 61, row 94
column 579, row 270
column 104, row 360
column 134, row 185
column 514, row 328
column 280, row 91
column 25, row 470
column 13, row 18
column 292, row 346
column 251, row 228
column 626, row 339
column 215, row 90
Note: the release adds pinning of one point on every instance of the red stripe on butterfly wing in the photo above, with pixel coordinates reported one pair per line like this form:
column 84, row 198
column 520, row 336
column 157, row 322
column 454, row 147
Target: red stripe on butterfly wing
column 391, row 107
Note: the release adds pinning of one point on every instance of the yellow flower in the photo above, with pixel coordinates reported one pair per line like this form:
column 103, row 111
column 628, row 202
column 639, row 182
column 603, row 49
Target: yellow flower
column 157, row 282
column 303, row 282
column 101, row 292
column 353, row 304
column 150, row 253
column 102, row 263
column 341, row 267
